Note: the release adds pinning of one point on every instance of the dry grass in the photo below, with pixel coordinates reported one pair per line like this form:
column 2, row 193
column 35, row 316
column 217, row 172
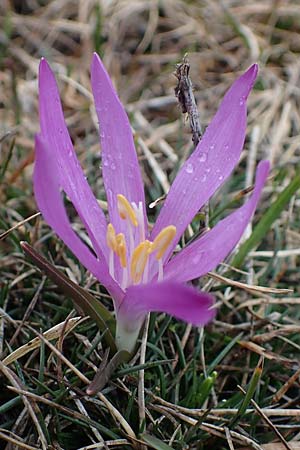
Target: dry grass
column 43, row 401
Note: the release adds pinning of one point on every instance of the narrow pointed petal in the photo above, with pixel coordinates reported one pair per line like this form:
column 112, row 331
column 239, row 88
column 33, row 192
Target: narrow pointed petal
column 181, row 301
column 120, row 166
column 208, row 251
column 48, row 196
column 67, row 168
column 212, row 161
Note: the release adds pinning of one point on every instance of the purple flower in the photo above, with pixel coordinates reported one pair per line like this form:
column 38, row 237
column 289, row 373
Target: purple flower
column 133, row 264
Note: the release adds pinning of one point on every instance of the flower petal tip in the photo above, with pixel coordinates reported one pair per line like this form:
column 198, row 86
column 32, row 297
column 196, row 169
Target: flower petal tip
column 265, row 163
column 253, row 70
column 212, row 312
column 44, row 66
column 96, row 62
column 46, row 77
column 249, row 77
column 240, row 89
column 264, row 167
column 95, row 58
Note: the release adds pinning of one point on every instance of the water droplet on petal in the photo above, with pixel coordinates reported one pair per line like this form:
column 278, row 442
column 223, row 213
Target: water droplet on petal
column 207, row 170
column 226, row 146
column 105, row 162
column 212, row 146
column 203, row 157
column 221, row 177
column 189, row 168
column 197, row 258
column 109, row 195
column 112, row 166
column 242, row 101
column 130, row 171
column 203, row 178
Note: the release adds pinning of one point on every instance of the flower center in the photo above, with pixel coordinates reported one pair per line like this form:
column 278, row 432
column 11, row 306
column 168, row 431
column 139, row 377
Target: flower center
column 134, row 259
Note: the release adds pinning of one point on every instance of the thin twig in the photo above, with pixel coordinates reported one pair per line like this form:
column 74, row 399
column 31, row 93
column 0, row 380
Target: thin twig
column 186, row 98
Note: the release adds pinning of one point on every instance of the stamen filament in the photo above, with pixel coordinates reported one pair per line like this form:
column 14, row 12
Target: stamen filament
column 140, row 214
column 160, row 275
column 146, row 272
column 124, row 278
column 111, row 264
column 131, row 238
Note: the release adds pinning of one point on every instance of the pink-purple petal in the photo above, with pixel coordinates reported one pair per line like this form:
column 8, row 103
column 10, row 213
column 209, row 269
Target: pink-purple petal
column 212, row 161
column 179, row 300
column 49, row 199
column 70, row 176
column 120, row 168
column 208, row 251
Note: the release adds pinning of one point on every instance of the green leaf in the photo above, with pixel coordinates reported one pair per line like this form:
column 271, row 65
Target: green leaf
column 223, row 353
column 266, row 221
column 250, row 392
column 155, row 442
column 82, row 299
column 106, row 370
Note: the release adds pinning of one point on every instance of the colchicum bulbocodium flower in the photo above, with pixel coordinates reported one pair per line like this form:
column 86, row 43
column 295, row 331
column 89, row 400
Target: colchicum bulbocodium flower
column 136, row 266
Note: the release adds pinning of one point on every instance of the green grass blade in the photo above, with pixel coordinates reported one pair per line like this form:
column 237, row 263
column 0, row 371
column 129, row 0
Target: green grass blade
column 249, row 393
column 81, row 298
column 266, row 221
column 155, row 443
column 223, row 353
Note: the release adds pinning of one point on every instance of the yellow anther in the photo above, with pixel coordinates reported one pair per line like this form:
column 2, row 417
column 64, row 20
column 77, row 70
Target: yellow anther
column 111, row 237
column 163, row 240
column 126, row 211
column 139, row 260
column 121, row 249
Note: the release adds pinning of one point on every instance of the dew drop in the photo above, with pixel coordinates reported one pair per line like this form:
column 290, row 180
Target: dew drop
column 113, row 166
column 196, row 259
column 242, row 101
column 130, row 171
column 203, row 178
column 207, row 170
column 240, row 217
column 203, row 157
column 221, row 177
column 105, row 162
column 212, row 146
column 109, row 195
column 189, row 168
column 226, row 146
